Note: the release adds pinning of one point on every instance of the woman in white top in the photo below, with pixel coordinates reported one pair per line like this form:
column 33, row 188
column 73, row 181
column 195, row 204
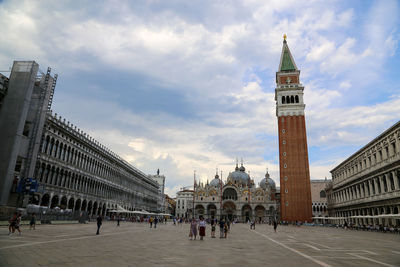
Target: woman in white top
column 202, row 227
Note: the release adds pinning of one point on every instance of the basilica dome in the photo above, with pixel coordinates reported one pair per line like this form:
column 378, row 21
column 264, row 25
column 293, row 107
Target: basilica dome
column 239, row 176
column 267, row 181
column 216, row 181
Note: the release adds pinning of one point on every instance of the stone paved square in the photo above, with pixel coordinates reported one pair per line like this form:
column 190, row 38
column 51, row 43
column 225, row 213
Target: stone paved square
column 135, row 244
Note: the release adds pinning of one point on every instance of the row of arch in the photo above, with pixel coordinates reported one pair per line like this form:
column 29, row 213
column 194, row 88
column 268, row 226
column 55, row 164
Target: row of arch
column 56, row 176
column 230, row 211
column 290, row 99
column 92, row 207
column 319, row 208
column 376, row 185
column 357, row 165
column 67, row 153
column 386, row 209
column 92, row 162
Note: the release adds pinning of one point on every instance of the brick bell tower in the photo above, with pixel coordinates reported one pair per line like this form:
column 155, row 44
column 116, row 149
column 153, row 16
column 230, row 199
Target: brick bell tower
column 293, row 153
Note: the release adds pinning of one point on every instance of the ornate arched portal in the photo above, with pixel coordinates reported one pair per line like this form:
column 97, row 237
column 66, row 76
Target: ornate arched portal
column 229, row 210
column 211, row 211
column 247, row 213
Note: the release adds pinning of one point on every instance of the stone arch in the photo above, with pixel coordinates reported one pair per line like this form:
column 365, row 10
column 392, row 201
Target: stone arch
column 322, row 194
column 84, row 205
column 95, row 206
column 104, row 210
column 54, row 201
column 78, row 204
column 35, row 200
column 199, row 210
column 46, row 144
column 259, row 212
column 42, row 172
column 288, row 99
column 45, row 200
column 229, row 210
column 47, row 173
column 63, row 203
column 283, row 100
column 90, row 207
column 229, row 193
column 56, row 148
column 247, row 212
column 51, row 146
column 291, row 99
column 71, row 203
column 98, row 211
column 211, row 211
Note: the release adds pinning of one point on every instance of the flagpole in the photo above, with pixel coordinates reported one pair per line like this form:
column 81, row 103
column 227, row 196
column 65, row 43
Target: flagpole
column 194, row 190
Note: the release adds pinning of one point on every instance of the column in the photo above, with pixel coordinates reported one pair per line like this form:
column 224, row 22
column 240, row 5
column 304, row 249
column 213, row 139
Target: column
column 389, row 186
column 396, row 180
column 380, row 177
column 370, row 187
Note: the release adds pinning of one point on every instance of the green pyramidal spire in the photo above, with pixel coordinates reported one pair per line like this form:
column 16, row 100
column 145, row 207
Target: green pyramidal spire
column 287, row 62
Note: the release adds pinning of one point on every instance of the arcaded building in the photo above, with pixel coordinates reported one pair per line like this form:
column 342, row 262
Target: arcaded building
column 238, row 198
column 70, row 170
column 365, row 187
column 293, row 153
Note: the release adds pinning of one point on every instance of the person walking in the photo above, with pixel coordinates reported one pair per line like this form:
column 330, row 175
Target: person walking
column 32, row 223
column 18, row 223
column 155, row 222
column 202, row 227
column 193, row 229
column 118, row 220
column 221, row 228
column 253, row 225
column 226, row 229
column 99, row 222
column 12, row 221
column 275, row 225
column 213, row 223
column 151, row 222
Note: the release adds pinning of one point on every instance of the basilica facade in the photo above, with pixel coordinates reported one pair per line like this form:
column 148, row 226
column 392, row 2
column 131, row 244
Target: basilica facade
column 238, row 198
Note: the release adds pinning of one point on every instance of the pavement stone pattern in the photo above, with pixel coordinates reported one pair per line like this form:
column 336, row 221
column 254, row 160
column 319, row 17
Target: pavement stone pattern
column 135, row 244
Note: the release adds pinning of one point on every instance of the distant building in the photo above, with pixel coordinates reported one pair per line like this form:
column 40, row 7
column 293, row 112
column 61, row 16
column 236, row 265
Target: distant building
column 73, row 171
column 160, row 179
column 170, row 205
column 366, row 186
column 184, row 203
column 238, row 198
column 318, row 197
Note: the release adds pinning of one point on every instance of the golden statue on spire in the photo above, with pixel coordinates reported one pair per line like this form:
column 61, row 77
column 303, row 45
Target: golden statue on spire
column 284, row 36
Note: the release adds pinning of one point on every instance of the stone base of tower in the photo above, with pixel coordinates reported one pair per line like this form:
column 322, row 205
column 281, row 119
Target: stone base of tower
column 295, row 184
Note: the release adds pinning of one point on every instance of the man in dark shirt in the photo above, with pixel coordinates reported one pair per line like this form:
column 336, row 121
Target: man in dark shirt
column 99, row 221
column 221, row 228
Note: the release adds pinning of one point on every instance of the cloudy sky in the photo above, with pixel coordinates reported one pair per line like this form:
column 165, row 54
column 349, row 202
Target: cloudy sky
column 189, row 85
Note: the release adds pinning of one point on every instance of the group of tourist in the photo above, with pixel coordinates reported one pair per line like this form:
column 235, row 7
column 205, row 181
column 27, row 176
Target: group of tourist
column 370, row 227
column 200, row 226
column 15, row 223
